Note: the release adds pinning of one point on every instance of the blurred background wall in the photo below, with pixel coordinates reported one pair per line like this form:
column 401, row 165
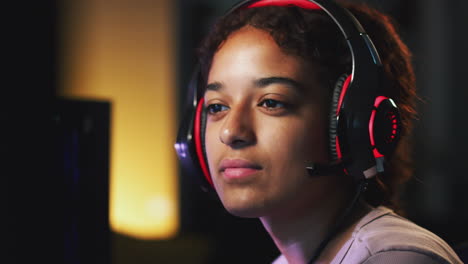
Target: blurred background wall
column 124, row 65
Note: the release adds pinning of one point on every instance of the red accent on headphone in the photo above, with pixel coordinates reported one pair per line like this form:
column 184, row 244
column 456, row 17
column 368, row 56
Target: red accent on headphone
column 377, row 102
column 338, row 149
column 343, row 92
column 198, row 143
column 340, row 102
column 299, row 3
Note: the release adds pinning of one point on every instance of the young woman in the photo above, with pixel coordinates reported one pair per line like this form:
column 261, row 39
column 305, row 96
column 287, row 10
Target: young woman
column 273, row 75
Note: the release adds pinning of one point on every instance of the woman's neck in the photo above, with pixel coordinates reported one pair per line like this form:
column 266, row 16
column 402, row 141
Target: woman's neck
column 298, row 235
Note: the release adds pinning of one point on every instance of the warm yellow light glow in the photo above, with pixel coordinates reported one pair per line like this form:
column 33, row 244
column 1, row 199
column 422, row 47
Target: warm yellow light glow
column 123, row 51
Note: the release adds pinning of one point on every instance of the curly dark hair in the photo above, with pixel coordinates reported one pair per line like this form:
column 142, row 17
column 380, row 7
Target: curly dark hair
column 312, row 35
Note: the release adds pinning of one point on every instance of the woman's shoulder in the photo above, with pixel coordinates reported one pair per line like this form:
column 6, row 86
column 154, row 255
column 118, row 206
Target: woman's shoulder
column 382, row 234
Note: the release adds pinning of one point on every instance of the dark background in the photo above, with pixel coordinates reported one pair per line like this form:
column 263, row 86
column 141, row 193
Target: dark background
column 36, row 193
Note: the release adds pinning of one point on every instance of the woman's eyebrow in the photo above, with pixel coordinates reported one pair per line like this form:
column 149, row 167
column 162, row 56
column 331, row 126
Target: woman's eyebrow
column 216, row 86
column 263, row 82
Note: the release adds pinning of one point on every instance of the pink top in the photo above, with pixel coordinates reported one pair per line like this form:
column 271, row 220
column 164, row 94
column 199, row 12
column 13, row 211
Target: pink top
column 385, row 237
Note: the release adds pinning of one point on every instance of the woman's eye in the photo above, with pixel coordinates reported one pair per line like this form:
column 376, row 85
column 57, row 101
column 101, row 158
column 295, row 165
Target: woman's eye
column 215, row 108
column 270, row 103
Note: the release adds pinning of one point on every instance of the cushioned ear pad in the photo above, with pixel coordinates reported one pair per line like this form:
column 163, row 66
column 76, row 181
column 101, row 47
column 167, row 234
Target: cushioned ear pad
column 199, row 127
column 202, row 133
column 337, row 97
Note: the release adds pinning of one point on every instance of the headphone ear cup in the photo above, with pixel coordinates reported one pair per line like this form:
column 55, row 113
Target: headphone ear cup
column 337, row 96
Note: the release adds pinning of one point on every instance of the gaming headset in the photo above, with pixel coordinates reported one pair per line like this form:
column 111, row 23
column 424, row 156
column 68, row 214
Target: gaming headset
column 364, row 127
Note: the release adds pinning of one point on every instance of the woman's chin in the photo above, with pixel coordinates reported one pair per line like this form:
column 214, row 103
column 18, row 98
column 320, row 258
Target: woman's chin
column 244, row 212
column 246, row 209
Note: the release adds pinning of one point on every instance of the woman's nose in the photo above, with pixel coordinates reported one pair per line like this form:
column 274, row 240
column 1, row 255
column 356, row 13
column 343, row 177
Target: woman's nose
column 237, row 130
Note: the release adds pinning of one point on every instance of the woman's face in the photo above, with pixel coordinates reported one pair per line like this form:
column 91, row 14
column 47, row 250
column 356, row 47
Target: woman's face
column 266, row 123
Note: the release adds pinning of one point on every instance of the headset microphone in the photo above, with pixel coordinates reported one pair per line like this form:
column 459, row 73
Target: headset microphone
column 324, row 169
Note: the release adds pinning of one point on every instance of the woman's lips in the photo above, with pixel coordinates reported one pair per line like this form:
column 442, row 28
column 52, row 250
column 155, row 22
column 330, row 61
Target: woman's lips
column 238, row 168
